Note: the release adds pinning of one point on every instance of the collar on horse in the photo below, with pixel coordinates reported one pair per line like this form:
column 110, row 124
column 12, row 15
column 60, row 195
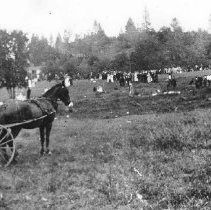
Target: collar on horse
column 42, row 107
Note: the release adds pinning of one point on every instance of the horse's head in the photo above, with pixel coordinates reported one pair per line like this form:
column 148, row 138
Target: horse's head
column 67, row 82
column 63, row 93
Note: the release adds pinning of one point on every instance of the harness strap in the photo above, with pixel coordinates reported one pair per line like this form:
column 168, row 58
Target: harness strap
column 25, row 122
column 39, row 104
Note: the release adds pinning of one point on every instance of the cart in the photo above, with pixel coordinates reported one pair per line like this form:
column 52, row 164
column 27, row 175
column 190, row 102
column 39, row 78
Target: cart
column 5, row 132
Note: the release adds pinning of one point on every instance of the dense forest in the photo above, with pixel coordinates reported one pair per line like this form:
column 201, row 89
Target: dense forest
column 134, row 49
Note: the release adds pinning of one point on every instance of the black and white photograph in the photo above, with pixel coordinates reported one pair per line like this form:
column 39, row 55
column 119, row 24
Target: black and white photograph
column 105, row 104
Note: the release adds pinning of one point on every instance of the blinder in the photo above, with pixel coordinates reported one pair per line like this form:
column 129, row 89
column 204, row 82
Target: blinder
column 64, row 95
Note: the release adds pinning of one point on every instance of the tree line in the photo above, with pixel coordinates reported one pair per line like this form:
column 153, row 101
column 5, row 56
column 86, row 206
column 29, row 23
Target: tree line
column 135, row 49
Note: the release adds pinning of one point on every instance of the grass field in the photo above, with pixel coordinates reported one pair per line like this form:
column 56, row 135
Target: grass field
column 117, row 152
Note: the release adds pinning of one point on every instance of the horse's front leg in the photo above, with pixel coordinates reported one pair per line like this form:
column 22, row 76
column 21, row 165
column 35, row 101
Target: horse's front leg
column 48, row 131
column 42, row 140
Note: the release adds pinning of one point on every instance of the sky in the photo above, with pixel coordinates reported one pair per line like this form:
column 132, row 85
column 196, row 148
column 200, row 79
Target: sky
column 46, row 17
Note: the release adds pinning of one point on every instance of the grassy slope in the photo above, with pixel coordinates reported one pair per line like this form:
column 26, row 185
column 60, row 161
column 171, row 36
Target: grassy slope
column 116, row 102
column 154, row 161
column 97, row 163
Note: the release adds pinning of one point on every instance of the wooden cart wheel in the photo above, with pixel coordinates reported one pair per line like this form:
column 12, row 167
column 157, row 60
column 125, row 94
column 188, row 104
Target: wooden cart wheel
column 7, row 146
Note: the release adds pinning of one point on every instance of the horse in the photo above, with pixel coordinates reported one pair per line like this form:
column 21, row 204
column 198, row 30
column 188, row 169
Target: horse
column 34, row 113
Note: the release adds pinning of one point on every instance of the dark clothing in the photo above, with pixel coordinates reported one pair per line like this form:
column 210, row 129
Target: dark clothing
column 28, row 93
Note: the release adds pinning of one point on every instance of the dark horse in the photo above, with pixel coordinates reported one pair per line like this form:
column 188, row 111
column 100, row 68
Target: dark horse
column 34, row 113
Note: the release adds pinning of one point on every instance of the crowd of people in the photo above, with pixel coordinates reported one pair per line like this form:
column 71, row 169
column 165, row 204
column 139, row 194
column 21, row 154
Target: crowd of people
column 125, row 77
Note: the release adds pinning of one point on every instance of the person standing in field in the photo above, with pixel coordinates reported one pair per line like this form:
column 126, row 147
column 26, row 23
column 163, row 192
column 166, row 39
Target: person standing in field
column 28, row 93
column 149, row 78
column 131, row 89
column 170, row 76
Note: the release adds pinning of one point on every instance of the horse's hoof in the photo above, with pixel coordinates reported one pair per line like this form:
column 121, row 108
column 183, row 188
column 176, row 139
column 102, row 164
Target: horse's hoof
column 16, row 154
column 42, row 152
column 14, row 161
column 48, row 152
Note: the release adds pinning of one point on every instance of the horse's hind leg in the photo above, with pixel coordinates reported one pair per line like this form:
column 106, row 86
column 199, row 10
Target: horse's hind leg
column 3, row 153
column 42, row 140
column 15, row 132
column 48, row 131
column 11, row 145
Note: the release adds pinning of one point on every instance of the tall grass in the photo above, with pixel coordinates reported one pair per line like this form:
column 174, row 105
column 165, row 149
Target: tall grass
column 152, row 161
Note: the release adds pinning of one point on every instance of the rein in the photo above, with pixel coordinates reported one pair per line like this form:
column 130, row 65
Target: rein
column 27, row 121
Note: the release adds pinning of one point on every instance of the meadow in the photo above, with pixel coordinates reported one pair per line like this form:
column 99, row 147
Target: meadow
column 117, row 152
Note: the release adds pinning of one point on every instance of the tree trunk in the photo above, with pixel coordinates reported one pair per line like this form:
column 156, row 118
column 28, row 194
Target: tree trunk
column 13, row 93
column 9, row 90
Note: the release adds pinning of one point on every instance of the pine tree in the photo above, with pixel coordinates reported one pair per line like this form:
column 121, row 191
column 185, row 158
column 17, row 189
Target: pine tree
column 146, row 20
column 58, row 43
column 130, row 26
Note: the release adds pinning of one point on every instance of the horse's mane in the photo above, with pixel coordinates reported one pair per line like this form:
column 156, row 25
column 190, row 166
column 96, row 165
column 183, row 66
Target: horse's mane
column 51, row 91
